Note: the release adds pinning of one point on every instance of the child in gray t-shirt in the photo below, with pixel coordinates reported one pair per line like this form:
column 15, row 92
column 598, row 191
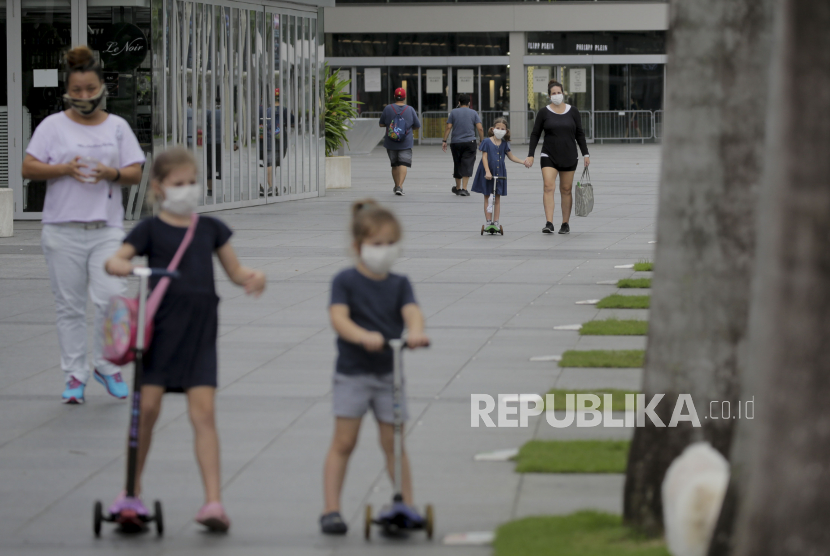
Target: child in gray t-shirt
column 369, row 306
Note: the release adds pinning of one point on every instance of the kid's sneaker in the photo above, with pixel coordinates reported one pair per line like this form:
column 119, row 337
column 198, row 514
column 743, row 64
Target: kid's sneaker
column 74, row 393
column 212, row 515
column 332, row 524
column 114, row 384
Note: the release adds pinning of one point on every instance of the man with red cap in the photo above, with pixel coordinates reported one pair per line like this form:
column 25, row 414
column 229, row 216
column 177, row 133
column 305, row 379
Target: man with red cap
column 399, row 120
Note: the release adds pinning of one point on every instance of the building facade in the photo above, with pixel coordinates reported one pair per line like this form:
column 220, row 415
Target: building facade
column 610, row 57
column 200, row 73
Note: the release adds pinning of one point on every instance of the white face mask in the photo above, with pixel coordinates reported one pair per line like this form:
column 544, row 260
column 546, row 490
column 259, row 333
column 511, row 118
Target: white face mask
column 380, row 258
column 499, row 133
column 557, row 98
column 182, row 200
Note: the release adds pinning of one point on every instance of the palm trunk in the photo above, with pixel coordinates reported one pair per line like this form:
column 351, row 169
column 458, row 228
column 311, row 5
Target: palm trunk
column 785, row 507
column 712, row 156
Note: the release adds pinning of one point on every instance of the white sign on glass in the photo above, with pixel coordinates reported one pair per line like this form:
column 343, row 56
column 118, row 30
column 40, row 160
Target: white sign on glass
column 435, row 81
column 578, row 78
column 540, row 80
column 465, row 81
column 372, row 78
column 45, row 78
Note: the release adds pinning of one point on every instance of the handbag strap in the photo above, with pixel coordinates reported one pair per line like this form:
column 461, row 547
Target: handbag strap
column 585, row 172
column 155, row 298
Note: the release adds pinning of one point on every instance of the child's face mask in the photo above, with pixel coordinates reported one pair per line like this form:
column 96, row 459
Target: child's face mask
column 380, row 258
column 182, row 199
column 87, row 106
column 499, row 133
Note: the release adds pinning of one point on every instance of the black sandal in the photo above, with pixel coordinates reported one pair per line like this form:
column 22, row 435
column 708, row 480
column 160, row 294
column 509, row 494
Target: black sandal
column 332, row 524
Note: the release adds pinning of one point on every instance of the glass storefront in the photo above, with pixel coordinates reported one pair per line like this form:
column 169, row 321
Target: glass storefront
column 240, row 84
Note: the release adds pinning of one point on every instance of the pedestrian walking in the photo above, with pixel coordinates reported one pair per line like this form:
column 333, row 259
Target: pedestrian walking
column 399, row 119
column 464, row 124
column 182, row 353
column 369, row 306
column 562, row 125
column 85, row 155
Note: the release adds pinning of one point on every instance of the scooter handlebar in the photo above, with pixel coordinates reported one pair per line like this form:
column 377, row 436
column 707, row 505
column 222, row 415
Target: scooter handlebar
column 159, row 272
column 390, row 344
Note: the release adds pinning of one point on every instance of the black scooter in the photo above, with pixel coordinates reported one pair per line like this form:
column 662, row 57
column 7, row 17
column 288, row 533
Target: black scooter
column 129, row 520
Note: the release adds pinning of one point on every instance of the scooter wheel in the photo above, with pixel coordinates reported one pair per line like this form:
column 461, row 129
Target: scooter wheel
column 482, row 229
column 501, row 230
column 367, row 526
column 97, row 518
column 429, row 519
column 158, row 518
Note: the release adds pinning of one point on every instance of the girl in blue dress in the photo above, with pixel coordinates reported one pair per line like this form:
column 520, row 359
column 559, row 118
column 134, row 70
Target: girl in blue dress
column 494, row 150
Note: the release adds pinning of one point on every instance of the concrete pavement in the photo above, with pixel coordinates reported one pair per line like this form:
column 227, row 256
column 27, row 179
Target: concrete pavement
column 491, row 303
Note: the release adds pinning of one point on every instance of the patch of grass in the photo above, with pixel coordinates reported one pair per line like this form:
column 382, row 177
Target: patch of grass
column 617, row 398
column 573, row 456
column 643, row 265
column 617, row 301
column 585, row 533
column 614, row 327
column 630, row 359
column 634, row 283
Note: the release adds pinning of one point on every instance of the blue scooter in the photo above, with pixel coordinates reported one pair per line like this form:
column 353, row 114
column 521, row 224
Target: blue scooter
column 397, row 519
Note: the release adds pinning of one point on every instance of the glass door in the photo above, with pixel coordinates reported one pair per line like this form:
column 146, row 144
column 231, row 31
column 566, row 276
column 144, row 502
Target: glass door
column 45, row 34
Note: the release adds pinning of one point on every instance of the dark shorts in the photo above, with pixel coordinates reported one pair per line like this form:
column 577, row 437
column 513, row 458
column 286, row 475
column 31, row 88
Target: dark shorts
column 463, row 158
column 210, row 157
column 400, row 158
column 548, row 163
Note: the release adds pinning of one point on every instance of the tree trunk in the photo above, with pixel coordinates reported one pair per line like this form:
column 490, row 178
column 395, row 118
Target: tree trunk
column 712, row 159
column 785, row 507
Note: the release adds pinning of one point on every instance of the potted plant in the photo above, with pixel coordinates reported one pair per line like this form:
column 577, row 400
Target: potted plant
column 338, row 114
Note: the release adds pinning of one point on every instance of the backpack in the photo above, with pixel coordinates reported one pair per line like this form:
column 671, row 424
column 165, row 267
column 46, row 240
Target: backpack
column 396, row 131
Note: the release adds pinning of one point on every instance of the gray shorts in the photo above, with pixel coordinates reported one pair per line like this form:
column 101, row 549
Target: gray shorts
column 400, row 158
column 354, row 394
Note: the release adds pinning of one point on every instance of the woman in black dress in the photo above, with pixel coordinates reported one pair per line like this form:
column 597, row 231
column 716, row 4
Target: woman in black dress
column 563, row 130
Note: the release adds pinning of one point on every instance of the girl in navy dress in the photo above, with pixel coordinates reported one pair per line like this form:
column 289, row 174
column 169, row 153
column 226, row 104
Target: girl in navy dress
column 182, row 354
column 494, row 150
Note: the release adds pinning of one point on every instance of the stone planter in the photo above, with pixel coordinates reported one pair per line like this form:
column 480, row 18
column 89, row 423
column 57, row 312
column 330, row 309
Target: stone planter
column 6, row 212
column 338, row 172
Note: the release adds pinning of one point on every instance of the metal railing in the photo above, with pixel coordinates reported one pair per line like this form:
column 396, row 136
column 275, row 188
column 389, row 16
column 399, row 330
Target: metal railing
column 658, row 125
column 627, row 125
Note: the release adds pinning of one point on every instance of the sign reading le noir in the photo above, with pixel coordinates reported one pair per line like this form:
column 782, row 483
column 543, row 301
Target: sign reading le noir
column 124, row 47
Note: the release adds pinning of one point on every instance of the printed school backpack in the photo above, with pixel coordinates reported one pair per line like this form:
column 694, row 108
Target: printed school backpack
column 397, row 127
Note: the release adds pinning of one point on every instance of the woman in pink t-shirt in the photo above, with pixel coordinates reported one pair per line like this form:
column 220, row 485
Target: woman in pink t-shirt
column 85, row 155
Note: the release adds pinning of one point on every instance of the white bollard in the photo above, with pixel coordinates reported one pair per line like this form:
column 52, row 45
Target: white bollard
column 6, row 212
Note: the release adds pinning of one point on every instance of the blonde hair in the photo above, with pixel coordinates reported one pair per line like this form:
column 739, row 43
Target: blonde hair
column 500, row 121
column 368, row 217
column 166, row 162
column 169, row 160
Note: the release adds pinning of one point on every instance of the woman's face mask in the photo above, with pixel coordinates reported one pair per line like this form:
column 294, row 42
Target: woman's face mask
column 87, row 106
column 499, row 133
column 182, row 199
column 557, row 98
column 380, row 258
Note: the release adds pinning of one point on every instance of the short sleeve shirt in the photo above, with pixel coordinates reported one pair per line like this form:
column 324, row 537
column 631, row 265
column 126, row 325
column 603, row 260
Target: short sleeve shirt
column 463, row 122
column 159, row 241
column 495, row 156
column 376, row 306
column 412, row 122
column 58, row 140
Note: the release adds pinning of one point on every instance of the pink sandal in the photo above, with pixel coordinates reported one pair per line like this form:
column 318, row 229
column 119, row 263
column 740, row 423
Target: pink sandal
column 212, row 515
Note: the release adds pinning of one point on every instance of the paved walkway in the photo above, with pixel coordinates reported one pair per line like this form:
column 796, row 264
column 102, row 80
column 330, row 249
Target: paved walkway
column 491, row 303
